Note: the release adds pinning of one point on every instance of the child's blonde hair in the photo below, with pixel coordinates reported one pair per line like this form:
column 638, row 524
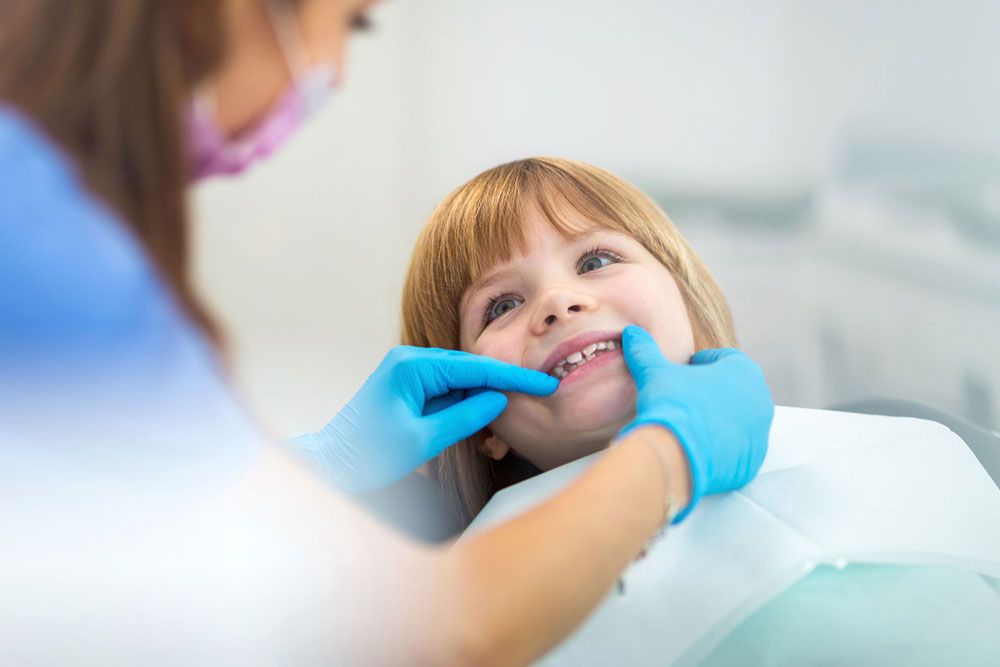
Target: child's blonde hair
column 479, row 225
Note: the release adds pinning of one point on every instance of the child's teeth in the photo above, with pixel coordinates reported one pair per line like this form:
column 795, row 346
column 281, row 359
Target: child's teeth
column 577, row 359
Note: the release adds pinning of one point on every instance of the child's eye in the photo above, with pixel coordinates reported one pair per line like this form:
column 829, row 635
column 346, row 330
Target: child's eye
column 595, row 259
column 500, row 305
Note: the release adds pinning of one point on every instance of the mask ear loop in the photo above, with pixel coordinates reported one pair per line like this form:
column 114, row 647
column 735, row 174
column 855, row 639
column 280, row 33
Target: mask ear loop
column 205, row 98
column 285, row 24
column 313, row 80
column 204, row 101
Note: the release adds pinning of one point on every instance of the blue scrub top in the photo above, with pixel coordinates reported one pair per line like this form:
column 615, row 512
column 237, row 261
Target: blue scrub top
column 103, row 381
column 139, row 517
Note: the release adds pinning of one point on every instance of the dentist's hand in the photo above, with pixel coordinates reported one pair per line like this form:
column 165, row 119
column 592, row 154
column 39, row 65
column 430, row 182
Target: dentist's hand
column 719, row 407
column 417, row 402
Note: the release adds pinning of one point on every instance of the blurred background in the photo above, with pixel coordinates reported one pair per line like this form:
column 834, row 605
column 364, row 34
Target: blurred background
column 837, row 164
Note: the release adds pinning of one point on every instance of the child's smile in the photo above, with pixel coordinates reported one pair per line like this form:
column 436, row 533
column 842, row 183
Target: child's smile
column 573, row 354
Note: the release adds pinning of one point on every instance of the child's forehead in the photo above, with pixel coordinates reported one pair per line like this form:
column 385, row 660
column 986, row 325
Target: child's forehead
column 498, row 235
column 562, row 218
column 547, row 209
column 535, row 228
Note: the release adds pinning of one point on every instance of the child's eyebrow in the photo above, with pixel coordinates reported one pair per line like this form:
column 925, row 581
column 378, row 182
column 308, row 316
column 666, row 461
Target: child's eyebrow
column 488, row 281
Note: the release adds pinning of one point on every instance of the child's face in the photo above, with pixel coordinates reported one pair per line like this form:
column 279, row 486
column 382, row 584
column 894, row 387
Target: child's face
column 561, row 297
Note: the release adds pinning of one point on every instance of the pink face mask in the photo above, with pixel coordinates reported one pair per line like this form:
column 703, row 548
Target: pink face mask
column 212, row 153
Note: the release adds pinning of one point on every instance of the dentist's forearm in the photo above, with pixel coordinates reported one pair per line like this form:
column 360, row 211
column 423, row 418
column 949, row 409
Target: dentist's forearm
column 524, row 586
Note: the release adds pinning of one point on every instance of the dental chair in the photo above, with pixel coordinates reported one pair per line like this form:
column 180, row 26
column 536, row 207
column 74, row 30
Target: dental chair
column 984, row 444
column 844, row 550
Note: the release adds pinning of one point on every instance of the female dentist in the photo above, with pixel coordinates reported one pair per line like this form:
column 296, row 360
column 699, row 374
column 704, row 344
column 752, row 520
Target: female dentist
column 143, row 516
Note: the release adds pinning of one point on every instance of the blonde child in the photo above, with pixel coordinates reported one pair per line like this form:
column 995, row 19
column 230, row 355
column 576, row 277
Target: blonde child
column 543, row 262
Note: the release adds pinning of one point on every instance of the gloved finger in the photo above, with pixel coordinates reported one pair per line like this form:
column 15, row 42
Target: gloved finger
column 471, row 371
column 711, row 356
column 462, row 420
column 642, row 354
column 438, row 403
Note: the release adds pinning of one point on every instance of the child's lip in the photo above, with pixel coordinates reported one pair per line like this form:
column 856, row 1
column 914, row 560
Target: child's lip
column 575, row 344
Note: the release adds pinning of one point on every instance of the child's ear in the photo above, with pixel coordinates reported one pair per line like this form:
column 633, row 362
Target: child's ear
column 493, row 446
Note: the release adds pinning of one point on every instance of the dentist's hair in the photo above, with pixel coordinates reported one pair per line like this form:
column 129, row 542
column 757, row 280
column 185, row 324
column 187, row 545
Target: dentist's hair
column 107, row 81
column 479, row 225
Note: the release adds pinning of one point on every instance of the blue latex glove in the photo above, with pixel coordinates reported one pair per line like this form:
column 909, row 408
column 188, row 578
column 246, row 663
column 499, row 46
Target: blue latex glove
column 718, row 406
column 417, row 402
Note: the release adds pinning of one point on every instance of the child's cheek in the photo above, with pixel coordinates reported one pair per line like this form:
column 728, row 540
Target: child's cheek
column 498, row 346
column 654, row 302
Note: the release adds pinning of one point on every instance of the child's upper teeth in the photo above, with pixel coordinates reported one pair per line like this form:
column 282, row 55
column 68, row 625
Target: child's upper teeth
column 564, row 367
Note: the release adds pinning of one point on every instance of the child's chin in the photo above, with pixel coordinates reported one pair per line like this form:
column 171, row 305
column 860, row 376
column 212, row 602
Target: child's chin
column 605, row 405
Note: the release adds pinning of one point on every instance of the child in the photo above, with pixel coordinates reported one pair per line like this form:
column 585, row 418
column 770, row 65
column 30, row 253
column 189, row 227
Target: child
column 542, row 262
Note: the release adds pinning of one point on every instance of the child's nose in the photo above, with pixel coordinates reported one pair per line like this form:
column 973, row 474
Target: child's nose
column 562, row 304
column 552, row 318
